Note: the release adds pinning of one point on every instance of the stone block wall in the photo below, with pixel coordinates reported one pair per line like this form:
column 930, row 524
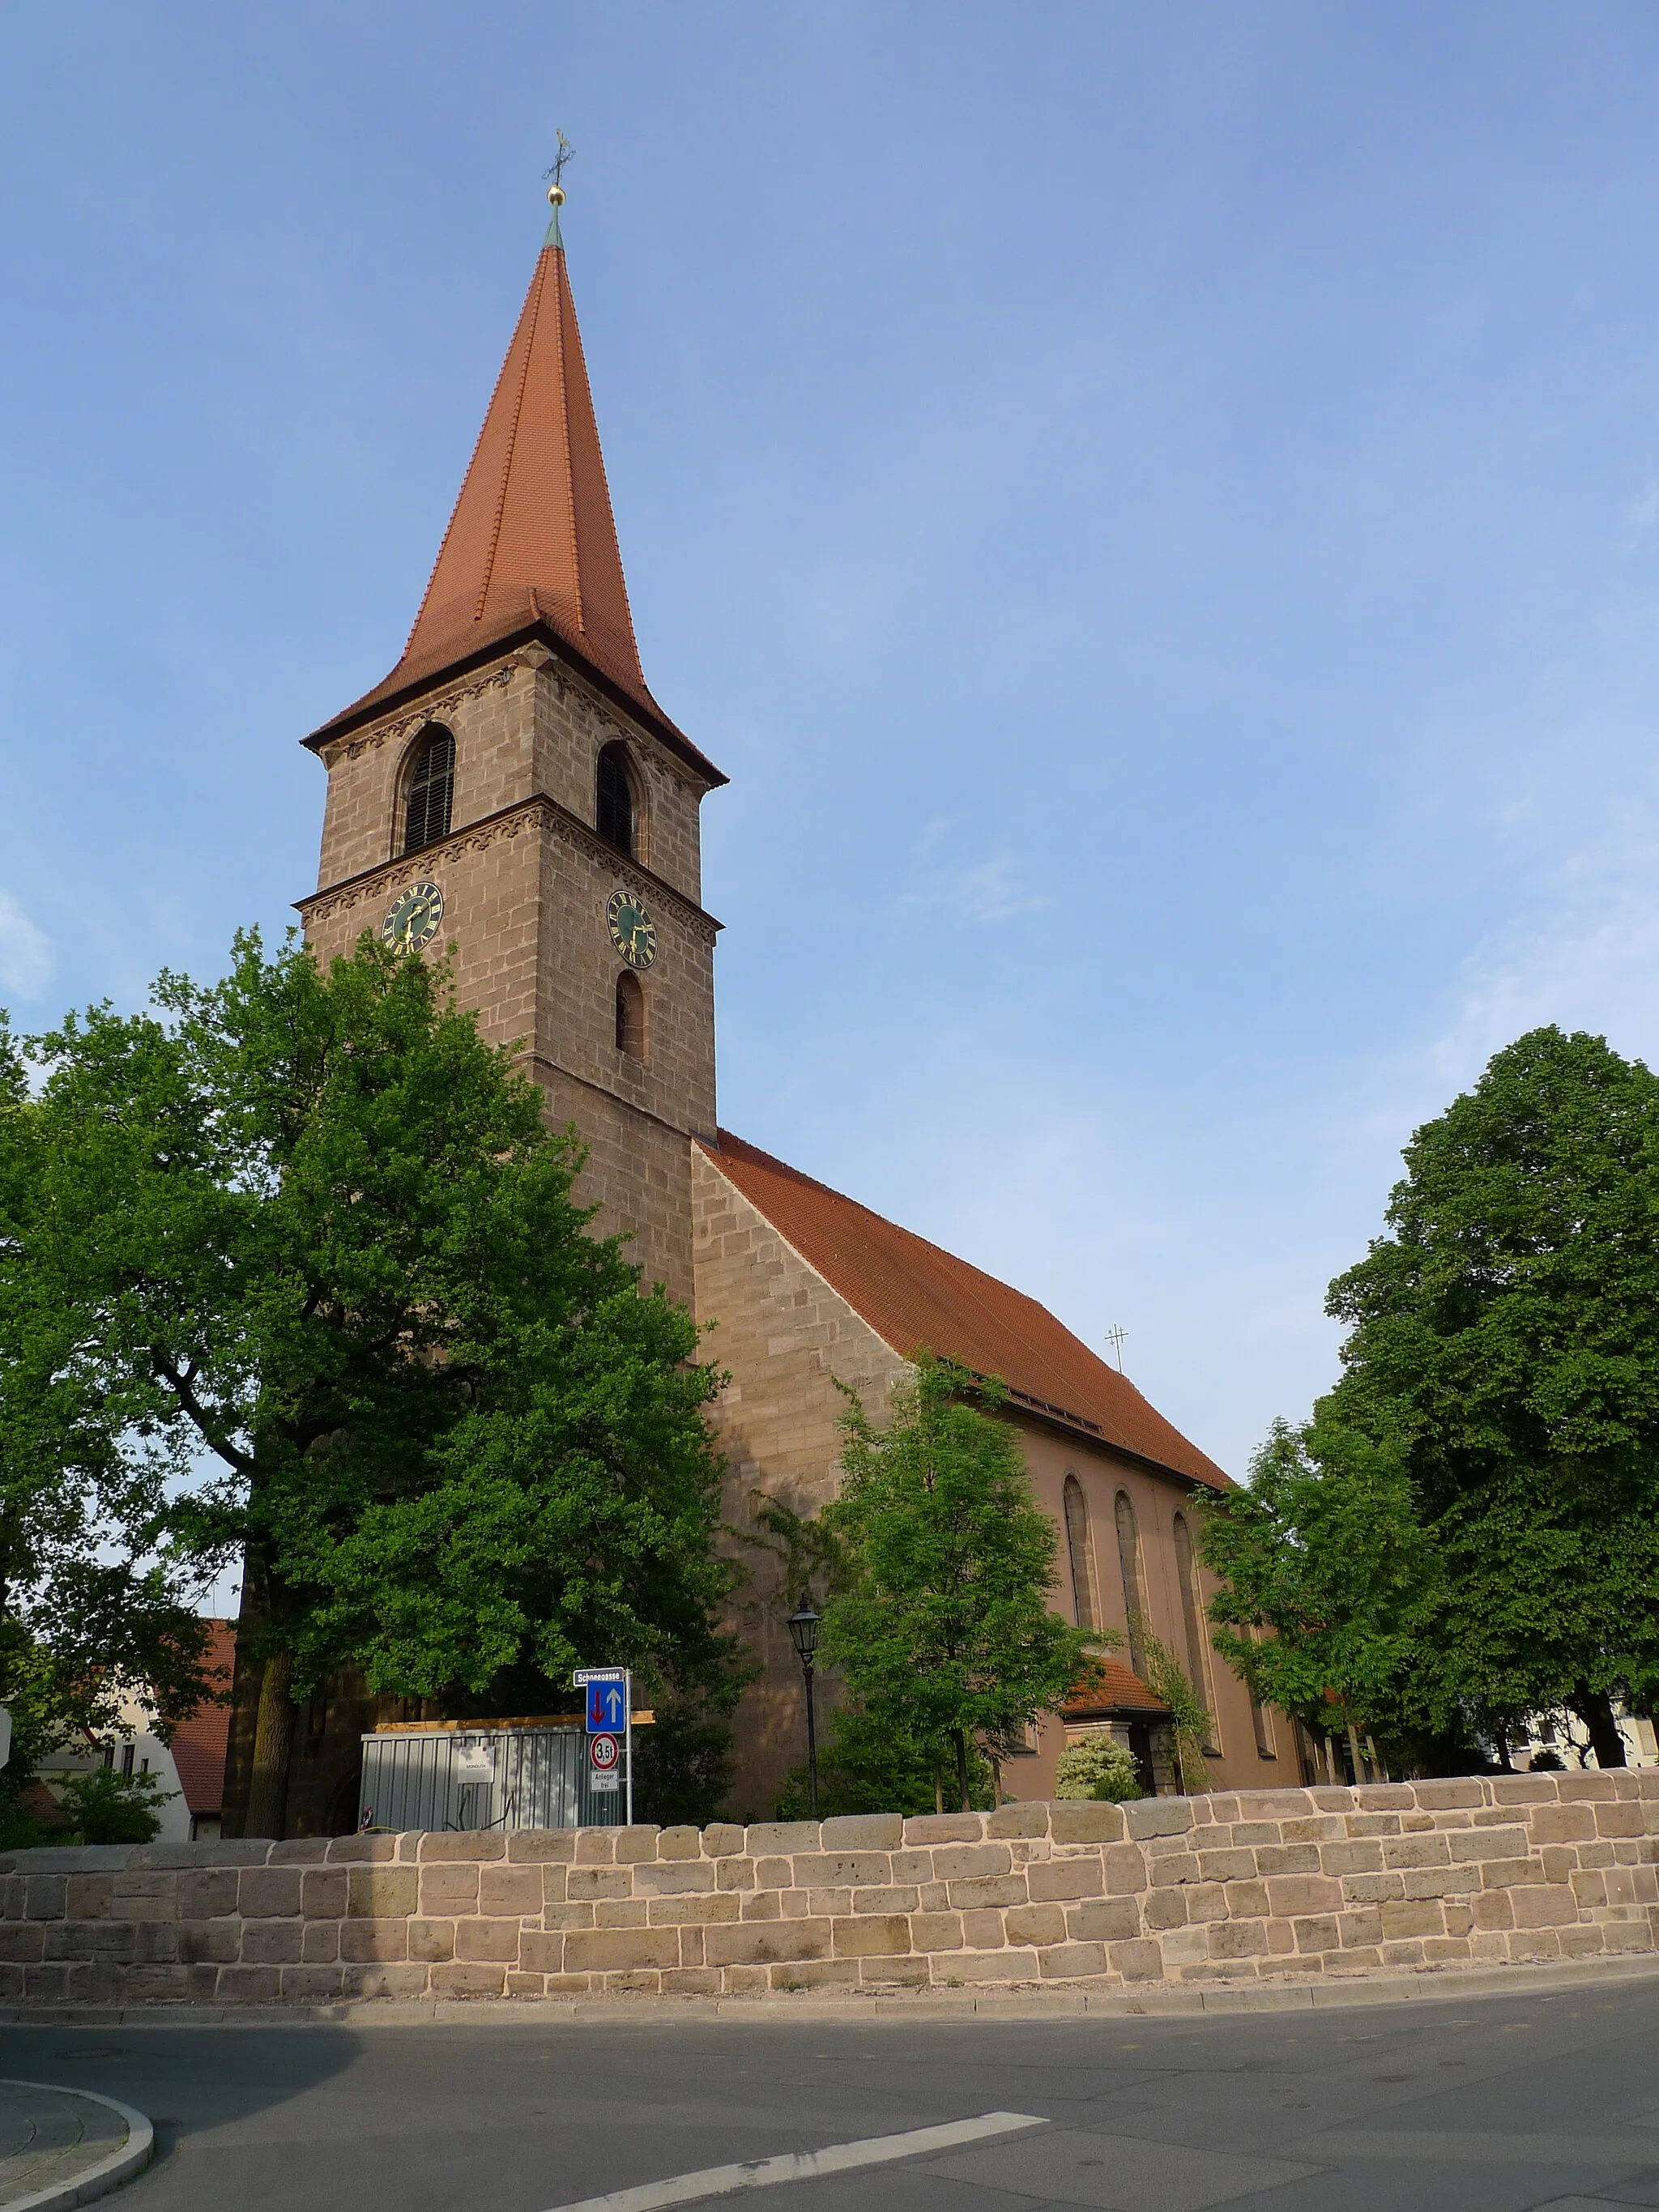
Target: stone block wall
column 1282, row 1884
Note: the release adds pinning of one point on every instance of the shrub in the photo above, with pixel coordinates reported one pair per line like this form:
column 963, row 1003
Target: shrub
column 107, row 1808
column 1098, row 1766
column 868, row 1764
column 20, row 1829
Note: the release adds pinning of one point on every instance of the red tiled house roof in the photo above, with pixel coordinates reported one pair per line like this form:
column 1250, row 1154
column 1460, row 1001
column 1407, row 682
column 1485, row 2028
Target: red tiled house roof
column 199, row 1744
column 915, row 1295
column 1115, row 1689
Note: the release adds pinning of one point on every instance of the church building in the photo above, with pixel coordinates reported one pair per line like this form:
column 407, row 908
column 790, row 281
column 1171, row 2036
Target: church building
column 512, row 791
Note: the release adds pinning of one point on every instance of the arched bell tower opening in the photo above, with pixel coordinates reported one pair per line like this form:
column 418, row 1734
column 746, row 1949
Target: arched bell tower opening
column 617, row 811
column 428, row 787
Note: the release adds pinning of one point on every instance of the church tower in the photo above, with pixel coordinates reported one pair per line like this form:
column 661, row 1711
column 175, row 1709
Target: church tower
column 511, row 790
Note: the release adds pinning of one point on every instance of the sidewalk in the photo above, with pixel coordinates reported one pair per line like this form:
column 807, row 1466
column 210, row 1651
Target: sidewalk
column 1151, row 2000
column 60, row 2148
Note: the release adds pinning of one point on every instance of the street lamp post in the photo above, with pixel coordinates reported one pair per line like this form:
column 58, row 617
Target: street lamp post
column 804, row 1635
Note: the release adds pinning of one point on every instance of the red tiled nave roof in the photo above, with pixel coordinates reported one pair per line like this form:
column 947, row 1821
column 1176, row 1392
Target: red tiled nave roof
column 912, row 1294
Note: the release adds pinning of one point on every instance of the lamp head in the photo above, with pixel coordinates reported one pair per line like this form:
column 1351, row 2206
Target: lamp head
column 804, row 1629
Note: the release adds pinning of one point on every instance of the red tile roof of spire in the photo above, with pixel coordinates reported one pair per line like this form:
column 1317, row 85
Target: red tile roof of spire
column 531, row 543
column 913, row 1295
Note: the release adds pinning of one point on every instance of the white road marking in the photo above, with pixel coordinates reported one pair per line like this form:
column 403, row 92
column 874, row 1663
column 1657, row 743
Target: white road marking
column 803, row 2165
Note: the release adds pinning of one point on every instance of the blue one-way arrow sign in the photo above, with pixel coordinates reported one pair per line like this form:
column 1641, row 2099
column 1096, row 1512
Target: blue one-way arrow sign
column 607, row 1708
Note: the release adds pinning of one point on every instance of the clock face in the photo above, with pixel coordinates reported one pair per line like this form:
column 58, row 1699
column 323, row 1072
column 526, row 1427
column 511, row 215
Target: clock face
column 632, row 930
column 413, row 917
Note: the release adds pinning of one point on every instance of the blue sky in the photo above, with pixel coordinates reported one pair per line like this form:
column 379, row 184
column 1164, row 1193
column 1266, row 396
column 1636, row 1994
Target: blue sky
column 1157, row 510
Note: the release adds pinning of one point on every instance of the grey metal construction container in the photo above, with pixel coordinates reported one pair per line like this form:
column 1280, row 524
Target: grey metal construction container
column 484, row 1778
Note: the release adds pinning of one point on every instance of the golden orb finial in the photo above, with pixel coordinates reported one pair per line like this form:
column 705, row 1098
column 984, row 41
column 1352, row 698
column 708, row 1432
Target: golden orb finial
column 555, row 196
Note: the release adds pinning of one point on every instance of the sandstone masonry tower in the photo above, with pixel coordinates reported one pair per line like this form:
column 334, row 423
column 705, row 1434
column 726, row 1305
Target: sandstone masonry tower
column 513, row 790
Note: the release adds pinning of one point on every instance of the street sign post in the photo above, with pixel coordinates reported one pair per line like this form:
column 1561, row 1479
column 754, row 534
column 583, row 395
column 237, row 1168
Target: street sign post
column 610, row 1714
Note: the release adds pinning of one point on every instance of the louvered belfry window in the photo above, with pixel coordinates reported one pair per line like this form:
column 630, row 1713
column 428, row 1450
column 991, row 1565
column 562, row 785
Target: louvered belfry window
column 614, row 814
column 431, row 790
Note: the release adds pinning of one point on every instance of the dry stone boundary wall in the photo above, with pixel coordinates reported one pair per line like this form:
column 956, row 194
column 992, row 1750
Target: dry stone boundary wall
column 1288, row 1884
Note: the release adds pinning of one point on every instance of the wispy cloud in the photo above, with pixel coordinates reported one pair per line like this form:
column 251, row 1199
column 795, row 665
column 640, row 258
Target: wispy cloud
column 1589, row 961
column 1585, row 957
column 987, row 891
column 25, row 951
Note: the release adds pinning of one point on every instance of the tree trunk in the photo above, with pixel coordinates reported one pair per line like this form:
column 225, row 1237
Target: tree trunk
column 1595, row 1709
column 273, row 1743
column 962, row 1769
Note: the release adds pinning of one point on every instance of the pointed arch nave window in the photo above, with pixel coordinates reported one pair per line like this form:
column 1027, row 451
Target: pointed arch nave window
column 1128, row 1560
column 1079, row 1554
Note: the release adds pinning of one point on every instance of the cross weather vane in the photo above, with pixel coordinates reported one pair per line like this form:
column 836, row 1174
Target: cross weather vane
column 556, row 188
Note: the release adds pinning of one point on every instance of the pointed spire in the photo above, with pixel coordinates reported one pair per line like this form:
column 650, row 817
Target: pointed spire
column 531, row 543
column 532, row 530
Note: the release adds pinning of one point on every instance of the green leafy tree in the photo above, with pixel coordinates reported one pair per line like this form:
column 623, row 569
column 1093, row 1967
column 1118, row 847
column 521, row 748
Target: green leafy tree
column 1504, row 1333
column 1098, row 1766
column 308, row 1256
column 106, row 1807
column 1190, row 1725
column 1490, row 1457
column 941, row 1628
column 94, row 1603
column 1326, row 1579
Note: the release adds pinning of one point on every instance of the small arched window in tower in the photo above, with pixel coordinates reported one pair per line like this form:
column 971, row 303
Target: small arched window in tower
column 630, row 1016
column 1128, row 1560
column 1077, row 1548
column 615, row 814
column 1192, row 1620
column 431, row 788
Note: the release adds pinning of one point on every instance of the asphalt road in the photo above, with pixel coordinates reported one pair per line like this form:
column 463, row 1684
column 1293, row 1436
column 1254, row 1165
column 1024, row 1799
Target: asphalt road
column 1480, row 2102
